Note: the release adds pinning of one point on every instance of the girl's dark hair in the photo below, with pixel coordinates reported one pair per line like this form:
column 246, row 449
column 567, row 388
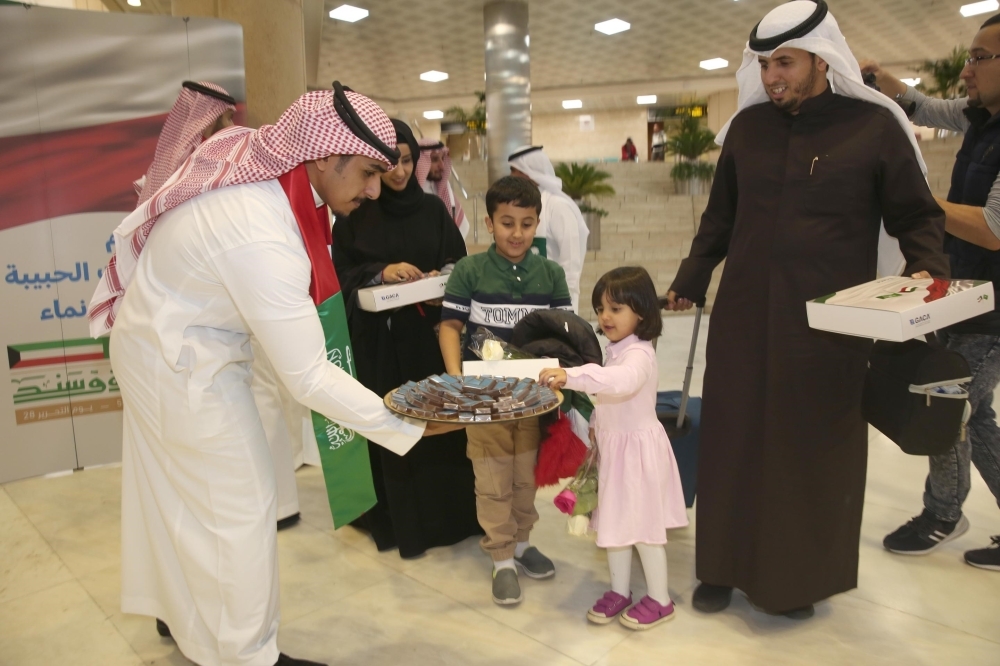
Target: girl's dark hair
column 632, row 286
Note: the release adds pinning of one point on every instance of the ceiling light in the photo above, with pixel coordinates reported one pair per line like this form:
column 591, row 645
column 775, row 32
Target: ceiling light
column 135, row 3
column 714, row 63
column 612, row 27
column 433, row 76
column 979, row 7
column 348, row 13
column 433, row 115
column 645, row 99
column 572, row 104
column 911, row 82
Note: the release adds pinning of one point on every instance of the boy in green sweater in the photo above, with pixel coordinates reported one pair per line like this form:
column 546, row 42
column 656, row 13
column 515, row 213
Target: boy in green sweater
column 495, row 290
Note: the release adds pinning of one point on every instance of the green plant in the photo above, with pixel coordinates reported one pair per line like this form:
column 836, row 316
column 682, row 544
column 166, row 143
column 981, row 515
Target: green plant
column 693, row 171
column 946, row 73
column 691, row 140
column 581, row 180
column 474, row 120
column 586, row 207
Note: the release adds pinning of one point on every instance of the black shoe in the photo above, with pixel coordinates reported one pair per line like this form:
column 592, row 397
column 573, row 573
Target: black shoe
column 985, row 558
column 711, row 598
column 803, row 613
column 285, row 660
column 923, row 534
column 162, row 628
column 287, row 522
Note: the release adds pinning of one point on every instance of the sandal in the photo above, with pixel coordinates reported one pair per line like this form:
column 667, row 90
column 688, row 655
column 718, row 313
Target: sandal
column 647, row 614
column 607, row 607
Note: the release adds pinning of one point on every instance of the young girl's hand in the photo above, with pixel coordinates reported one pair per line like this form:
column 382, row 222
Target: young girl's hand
column 554, row 378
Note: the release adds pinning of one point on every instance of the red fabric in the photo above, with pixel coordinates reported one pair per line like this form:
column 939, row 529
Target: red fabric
column 937, row 289
column 82, row 170
column 317, row 235
column 560, row 455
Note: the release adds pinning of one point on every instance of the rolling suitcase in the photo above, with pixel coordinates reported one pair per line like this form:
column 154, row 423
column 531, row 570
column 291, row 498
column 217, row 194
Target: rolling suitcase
column 680, row 415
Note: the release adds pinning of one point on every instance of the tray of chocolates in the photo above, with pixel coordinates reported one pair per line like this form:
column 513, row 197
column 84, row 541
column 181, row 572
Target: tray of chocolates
column 472, row 400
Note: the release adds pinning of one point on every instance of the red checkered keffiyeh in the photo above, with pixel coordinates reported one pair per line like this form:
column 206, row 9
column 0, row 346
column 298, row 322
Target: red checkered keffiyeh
column 423, row 167
column 191, row 115
column 310, row 129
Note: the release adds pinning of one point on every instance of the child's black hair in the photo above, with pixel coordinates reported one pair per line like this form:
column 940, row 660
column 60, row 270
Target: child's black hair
column 632, row 286
column 519, row 192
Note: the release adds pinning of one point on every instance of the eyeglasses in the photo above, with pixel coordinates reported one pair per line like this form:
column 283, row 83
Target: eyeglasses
column 975, row 60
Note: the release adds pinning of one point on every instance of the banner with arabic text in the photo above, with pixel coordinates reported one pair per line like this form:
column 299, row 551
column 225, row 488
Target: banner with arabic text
column 83, row 97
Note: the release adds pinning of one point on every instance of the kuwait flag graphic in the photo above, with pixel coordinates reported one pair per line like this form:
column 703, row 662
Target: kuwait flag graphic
column 57, row 352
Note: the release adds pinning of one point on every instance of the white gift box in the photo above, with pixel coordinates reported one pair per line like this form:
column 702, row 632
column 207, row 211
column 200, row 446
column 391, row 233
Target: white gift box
column 900, row 308
column 396, row 295
column 526, row 368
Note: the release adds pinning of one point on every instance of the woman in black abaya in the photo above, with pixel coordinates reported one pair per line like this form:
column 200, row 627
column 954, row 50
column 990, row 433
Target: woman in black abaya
column 427, row 497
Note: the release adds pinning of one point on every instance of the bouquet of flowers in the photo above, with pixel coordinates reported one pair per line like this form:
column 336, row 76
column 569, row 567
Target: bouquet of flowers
column 579, row 497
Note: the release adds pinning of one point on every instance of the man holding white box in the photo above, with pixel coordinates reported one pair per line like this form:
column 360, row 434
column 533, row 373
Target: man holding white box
column 810, row 164
column 973, row 245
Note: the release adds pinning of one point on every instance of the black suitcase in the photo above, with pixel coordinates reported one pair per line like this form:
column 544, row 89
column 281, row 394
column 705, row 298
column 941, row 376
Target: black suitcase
column 680, row 415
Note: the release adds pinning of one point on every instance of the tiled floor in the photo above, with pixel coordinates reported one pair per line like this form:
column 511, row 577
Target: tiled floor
column 345, row 603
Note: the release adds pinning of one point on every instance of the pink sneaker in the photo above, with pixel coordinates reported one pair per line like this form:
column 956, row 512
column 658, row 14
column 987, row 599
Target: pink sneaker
column 647, row 614
column 607, row 607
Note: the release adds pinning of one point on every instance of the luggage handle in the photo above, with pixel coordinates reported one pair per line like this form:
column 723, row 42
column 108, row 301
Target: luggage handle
column 689, row 371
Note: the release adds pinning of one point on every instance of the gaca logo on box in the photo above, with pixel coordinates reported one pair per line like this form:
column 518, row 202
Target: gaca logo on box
column 922, row 319
column 389, row 297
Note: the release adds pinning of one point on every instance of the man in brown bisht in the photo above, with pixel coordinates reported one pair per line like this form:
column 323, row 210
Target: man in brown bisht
column 810, row 164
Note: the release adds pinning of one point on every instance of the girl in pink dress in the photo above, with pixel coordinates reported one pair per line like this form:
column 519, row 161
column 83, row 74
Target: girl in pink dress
column 639, row 494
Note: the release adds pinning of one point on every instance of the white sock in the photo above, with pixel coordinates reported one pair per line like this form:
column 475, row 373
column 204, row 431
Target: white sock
column 654, row 565
column 520, row 548
column 504, row 564
column 620, row 565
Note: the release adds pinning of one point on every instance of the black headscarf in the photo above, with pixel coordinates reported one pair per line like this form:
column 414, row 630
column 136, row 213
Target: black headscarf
column 401, row 204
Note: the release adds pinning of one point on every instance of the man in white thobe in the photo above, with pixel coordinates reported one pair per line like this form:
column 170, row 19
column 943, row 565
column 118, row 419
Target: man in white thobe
column 433, row 171
column 224, row 252
column 202, row 109
column 561, row 223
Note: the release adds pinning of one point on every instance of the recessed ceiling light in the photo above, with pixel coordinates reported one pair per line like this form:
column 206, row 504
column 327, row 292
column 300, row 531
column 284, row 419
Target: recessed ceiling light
column 645, row 99
column 612, row 27
column 911, row 82
column 348, row 13
column 572, row 104
column 714, row 63
column 433, row 76
column 135, row 3
column 433, row 115
column 979, row 7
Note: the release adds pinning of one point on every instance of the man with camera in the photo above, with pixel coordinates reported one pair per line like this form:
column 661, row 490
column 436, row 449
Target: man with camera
column 972, row 221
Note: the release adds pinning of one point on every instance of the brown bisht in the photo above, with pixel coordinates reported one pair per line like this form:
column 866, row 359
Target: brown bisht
column 794, row 211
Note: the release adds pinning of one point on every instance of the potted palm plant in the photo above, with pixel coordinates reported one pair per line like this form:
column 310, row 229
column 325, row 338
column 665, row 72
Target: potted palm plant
column 581, row 181
column 474, row 121
column 690, row 142
column 946, row 73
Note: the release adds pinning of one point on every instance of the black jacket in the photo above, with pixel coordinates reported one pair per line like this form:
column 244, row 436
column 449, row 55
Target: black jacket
column 558, row 334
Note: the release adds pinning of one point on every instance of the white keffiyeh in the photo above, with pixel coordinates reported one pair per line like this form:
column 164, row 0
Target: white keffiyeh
column 844, row 76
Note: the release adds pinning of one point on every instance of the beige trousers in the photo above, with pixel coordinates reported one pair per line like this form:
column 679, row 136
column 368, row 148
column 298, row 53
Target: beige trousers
column 503, row 458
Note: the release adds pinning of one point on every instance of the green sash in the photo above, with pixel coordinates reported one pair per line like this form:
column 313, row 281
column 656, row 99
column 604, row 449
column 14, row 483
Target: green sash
column 538, row 247
column 342, row 452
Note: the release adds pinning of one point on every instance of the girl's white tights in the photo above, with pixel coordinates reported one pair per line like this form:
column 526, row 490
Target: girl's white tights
column 654, row 565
